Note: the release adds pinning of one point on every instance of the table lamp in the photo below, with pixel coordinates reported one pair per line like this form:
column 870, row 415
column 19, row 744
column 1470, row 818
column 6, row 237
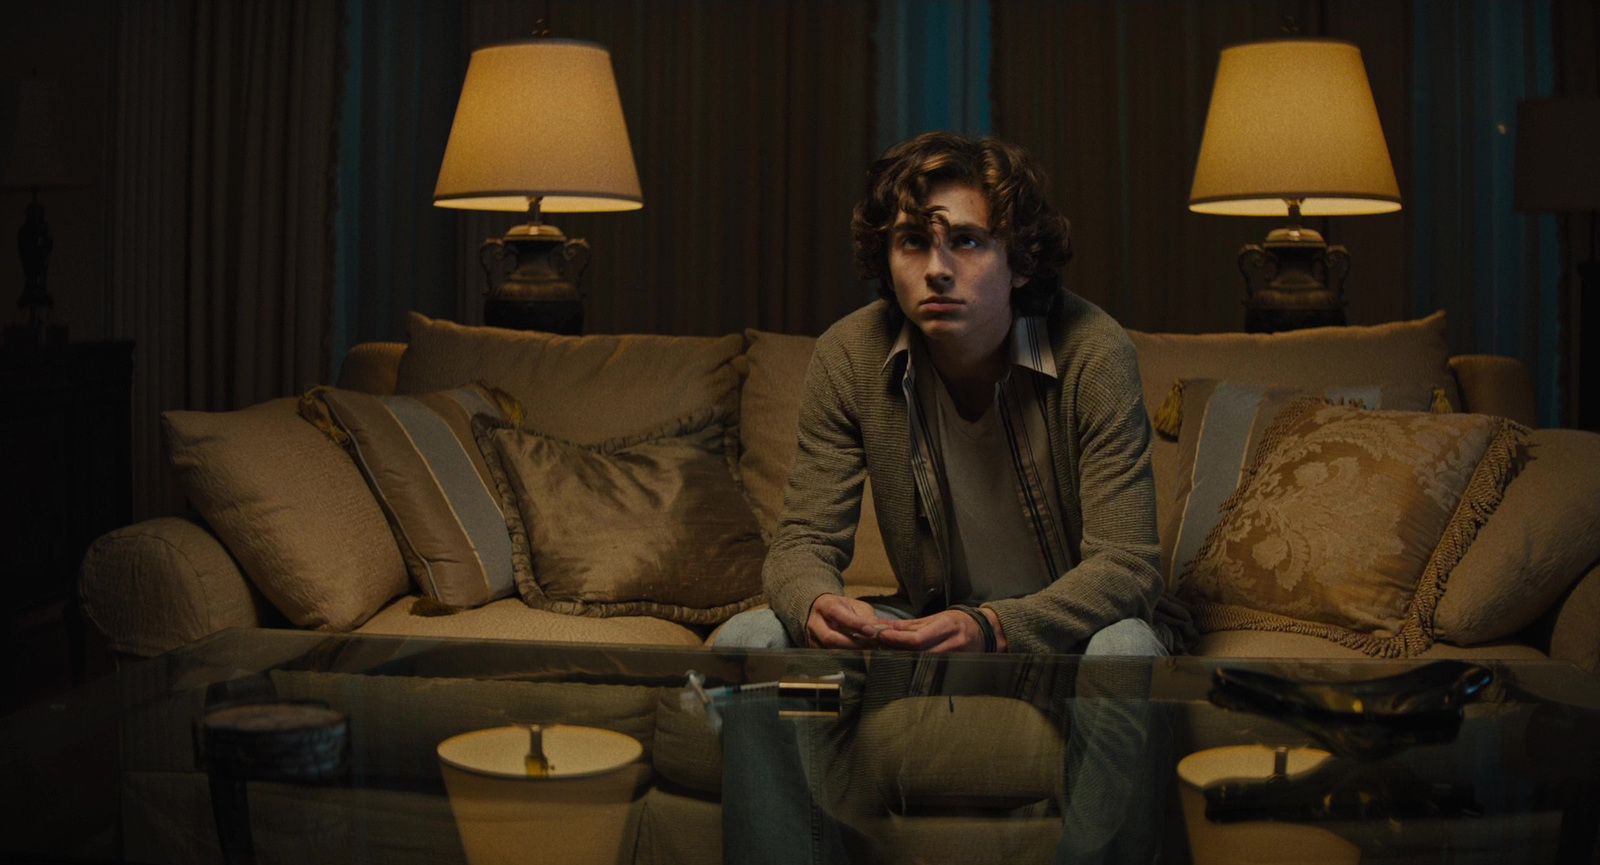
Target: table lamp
column 538, row 128
column 31, row 159
column 1293, row 131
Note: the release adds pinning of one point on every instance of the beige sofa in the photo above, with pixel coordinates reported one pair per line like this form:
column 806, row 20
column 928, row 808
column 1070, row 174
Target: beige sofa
column 289, row 516
column 162, row 583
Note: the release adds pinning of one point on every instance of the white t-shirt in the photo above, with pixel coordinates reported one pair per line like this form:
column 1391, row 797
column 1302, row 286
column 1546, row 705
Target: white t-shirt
column 991, row 547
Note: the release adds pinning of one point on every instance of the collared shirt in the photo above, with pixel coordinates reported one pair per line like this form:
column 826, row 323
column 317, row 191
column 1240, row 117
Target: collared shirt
column 1021, row 409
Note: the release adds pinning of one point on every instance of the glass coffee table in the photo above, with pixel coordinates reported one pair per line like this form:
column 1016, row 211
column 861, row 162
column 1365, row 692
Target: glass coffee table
column 787, row 756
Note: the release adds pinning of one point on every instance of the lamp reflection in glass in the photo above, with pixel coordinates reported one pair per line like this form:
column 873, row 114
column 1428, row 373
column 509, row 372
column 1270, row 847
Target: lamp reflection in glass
column 31, row 159
column 538, row 128
column 1293, row 131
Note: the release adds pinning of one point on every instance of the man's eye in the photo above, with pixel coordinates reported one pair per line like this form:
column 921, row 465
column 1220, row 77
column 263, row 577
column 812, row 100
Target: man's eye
column 966, row 241
column 913, row 241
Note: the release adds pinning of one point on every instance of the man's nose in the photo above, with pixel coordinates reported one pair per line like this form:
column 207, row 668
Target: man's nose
column 939, row 269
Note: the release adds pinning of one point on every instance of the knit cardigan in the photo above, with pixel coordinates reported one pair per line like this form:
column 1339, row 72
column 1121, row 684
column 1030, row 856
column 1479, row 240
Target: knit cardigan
column 853, row 424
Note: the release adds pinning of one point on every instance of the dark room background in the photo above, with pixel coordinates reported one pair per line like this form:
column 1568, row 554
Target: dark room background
column 258, row 173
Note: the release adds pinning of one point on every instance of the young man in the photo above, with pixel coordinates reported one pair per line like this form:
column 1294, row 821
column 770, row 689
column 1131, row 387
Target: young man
column 999, row 417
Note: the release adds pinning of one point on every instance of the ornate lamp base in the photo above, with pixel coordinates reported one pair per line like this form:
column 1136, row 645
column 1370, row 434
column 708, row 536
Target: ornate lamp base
column 1294, row 280
column 537, row 294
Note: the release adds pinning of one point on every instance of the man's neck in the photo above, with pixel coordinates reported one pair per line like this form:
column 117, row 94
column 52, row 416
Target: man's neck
column 970, row 375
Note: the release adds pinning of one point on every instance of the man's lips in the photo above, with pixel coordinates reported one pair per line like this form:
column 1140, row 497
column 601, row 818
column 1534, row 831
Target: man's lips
column 940, row 304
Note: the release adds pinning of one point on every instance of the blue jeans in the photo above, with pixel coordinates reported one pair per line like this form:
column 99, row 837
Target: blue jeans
column 1118, row 752
column 775, row 804
column 760, row 629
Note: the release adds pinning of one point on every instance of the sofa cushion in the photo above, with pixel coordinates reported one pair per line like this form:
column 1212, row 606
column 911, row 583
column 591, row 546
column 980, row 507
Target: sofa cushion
column 652, row 524
column 160, row 584
column 1347, row 523
column 1494, row 384
column 292, row 508
column 423, row 465
column 1220, row 423
column 584, row 389
column 675, row 827
column 769, row 413
column 371, row 367
column 1544, row 536
column 1395, row 353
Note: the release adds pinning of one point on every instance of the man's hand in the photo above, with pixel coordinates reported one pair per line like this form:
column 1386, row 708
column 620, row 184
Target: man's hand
column 949, row 631
column 838, row 622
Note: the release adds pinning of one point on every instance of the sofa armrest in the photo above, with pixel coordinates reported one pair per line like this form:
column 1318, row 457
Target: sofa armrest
column 1574, row 623
column 372, row 367
column 163, row 583
column 1497, row 385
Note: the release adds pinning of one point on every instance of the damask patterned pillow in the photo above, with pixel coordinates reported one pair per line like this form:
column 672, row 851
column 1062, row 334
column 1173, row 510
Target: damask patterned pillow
column 1221, row 423
column 1348, row 522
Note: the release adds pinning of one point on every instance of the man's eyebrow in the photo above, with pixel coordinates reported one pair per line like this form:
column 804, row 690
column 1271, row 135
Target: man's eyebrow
column 970, row 227
column 912, row 227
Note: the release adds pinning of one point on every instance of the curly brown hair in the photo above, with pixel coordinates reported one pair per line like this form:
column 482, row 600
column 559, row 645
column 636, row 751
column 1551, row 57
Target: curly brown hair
column 1038, row 240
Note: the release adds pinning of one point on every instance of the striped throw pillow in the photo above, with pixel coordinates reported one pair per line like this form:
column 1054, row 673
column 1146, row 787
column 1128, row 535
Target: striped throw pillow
column 418, row 455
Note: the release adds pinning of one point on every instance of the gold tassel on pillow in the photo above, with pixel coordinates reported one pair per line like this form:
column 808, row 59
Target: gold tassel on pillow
column 1441, row 403
column 426, row 606
column 510, row 407
column 313, row 409
column 1169, row 417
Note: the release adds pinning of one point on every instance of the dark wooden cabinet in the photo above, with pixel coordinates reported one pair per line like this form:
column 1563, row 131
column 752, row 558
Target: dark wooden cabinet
column 65, row 445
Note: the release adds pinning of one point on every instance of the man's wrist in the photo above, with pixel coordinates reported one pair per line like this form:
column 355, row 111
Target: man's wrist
column 1001, row 643
column 985, row 626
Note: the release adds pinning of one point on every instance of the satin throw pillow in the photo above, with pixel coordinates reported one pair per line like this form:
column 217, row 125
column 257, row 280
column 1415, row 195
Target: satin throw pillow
column 655, row 524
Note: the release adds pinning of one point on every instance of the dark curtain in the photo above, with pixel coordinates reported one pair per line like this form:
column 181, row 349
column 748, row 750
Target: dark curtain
column 397, row 252
column 1493, row 269
column 1576, row 26
column 223, row 195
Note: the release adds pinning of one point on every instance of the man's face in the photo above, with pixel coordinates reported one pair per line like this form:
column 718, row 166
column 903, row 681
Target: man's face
column 953, row 280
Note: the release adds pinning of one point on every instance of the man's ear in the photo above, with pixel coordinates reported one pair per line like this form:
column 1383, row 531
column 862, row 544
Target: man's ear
column 1018, row 281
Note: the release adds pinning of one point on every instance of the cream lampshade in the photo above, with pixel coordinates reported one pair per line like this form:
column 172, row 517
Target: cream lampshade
column 539, row 127
column 1293, row 131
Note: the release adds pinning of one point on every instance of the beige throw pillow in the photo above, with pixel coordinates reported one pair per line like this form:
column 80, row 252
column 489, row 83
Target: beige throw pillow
column 292, row 508
column 584, row 389
column 769, row 412
column 422, row 463
column 1544, row 536
column 655, row 524
column 1349, row 521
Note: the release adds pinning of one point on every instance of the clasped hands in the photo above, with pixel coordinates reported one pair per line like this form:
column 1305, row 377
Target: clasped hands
column 839, row 622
